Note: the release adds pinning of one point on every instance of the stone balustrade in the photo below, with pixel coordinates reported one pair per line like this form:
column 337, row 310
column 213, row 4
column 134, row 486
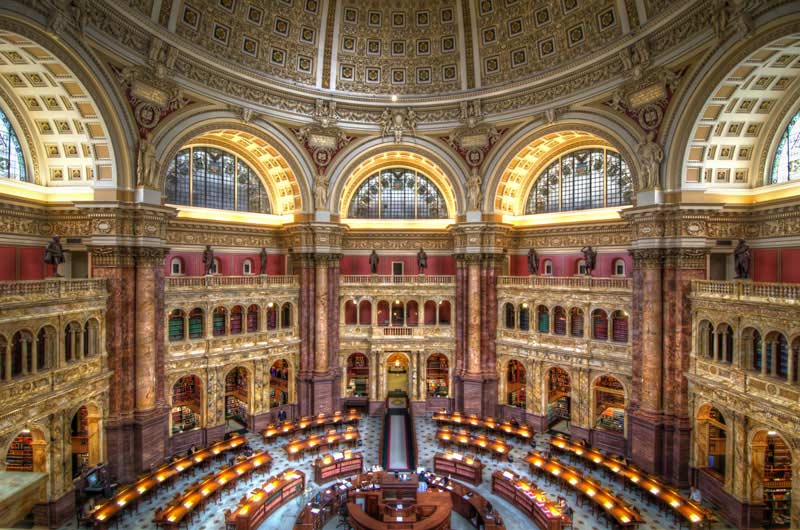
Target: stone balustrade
column 382, row 279
column 773, row 293
column 396, row 332
column 216, row 282
column 56, row 289
column 567, row 283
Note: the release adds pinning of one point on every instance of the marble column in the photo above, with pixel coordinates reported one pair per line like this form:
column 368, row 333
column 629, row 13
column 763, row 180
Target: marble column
column 472, row 381
column 116, row 265
column 646, row 422
column 460, row 306
column 303, row 266
column 334, row 365
column 152, row 415
column 490, row 377
column 321, row 318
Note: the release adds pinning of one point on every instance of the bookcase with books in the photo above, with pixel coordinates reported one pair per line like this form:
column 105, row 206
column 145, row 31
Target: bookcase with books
column 609, row 398
column 20, row 454
column 437, row 378
column 558, row 396
column 357, row 375
column 777, row 483
column 279, row 383
column 515, row 385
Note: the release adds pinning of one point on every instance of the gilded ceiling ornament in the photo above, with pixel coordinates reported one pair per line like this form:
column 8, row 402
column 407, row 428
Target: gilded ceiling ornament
column 635, row 59
column 733, row 16
column 396, row 121
column 646, row 100
column 474, row 138
column 151, row 96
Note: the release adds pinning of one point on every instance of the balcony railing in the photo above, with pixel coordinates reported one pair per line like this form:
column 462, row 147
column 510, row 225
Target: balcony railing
column 784, row 293
column 381, row 279
column 391, row 332
column 55, row 289
column 188, row 283
column 568, row 283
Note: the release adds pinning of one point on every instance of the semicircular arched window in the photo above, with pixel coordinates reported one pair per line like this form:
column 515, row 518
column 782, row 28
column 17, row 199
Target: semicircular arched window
column 12, row 162
column 397, row 193
column 786, row 164
column 581, row 180
column 208, row 177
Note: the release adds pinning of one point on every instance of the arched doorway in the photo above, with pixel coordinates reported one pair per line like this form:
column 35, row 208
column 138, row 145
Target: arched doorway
column 558, row 392
column 771, row 477
column 187, row 404
column 27, row 452
column 516, row 395
column 437, row 376
column 397, row 373
column 279, row 383
column 357, row 375
column 609, row 404
column 85, row 439
column 712, row 435
column 237, row 394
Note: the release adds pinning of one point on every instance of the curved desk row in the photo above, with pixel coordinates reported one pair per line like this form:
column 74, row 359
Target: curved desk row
column 273, row 430
column 521, row 431
column 295, row 448
column 479, row 442
column 263, row 501
column 467, row 502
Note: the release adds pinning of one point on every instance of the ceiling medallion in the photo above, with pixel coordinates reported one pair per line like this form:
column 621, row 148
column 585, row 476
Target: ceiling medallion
column 323, row 139
column 473, row 139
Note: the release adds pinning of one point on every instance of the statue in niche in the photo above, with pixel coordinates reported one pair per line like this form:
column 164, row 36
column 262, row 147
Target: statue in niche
column 590, row 257
column 651, row 155
column 422, row 261
column 742, row 257
column 147, row 164
column 373, row 262
column 474, row 191
column 208, row 260
column 263, row 262
column 320, row 192
column 54, row 255
column 533, row 263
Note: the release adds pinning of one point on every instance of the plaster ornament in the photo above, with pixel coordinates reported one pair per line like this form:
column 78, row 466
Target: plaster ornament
column 146, row 164
column 397, row 121
column 320, row 192
column 651, row 155
column 474, row 192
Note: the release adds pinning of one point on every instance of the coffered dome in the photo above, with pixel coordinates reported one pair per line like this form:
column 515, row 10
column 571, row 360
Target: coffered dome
column 403, row 47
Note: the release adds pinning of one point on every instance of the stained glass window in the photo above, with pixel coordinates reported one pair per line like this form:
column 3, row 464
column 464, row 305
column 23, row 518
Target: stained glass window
column 580, row 180
column 398, row 193
column 212, row 178
column 786, row 165
column 12, row 163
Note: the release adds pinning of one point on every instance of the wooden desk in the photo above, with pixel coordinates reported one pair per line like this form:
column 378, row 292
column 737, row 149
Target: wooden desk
column 327, row 467
column 130, row 495
column 480, row 442
column 692, row 513
column 174, row 514
column 463, row 467
column 273, row 431
column 467, row 502
column 529, row 499
column 273, row 494
column 603, row 498
column 431, row 512
column 295, row 448
column 522, row 431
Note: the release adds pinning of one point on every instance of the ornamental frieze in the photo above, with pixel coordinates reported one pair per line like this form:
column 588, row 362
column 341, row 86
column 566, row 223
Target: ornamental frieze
column 402, row 242
column 597, row 235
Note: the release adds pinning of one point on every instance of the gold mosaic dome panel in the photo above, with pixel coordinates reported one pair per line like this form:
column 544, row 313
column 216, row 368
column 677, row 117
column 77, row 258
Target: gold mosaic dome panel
column 402, row 47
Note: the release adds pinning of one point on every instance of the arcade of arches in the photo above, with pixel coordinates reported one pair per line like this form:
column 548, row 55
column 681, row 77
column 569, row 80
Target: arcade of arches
column 586, row 220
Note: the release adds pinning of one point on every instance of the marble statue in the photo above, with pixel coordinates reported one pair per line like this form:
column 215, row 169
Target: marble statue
column 263, row 262
column 208, row 260
column 651, row 155
column 590, row 257
column 474, row 191
column 422, row 261
column 533, row 262
column 54, row 255
column 373, row 262
column 742, row 257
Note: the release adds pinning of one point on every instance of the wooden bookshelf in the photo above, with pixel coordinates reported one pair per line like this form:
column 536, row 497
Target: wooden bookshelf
column 20, row 454
column 335, row 465
column 778, row 483
column 459, row 466
column 437, row 376
column 526, row 497
column 358, row 374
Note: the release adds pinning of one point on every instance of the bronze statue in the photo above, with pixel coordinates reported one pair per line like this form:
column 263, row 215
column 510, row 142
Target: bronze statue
column 742, row 257
column 373, row 262
column 590, row 257
column 54, row 255
column 533, row 262
column 422, row 261
column 208, row 260
column 263, row 263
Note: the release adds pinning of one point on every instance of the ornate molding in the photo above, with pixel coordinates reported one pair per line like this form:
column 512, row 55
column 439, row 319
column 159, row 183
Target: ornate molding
column 650, row 258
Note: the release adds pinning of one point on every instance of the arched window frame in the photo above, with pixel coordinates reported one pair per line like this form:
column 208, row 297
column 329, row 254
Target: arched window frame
column 548, row 267
column 619, row 267
column 378, row 202
column 176, row 267
column 247, row 267
column 556, row 189
column 786, row 161
column 12, row 159
column 238, row 188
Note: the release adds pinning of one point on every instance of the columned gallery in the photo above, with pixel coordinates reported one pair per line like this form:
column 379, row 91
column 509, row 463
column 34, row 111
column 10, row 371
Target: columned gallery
column 407, row 264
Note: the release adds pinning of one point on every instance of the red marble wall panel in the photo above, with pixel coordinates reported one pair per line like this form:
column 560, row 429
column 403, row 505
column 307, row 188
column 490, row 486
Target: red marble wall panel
column 567, row 264
column 443, row 265
column 230, row 264
column 22, row 263
column 790, row 265
column 765, row 265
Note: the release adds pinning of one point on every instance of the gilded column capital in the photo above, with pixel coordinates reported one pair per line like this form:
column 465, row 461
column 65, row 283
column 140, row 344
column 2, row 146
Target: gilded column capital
column 686, row 258
column 303, row 259
column 111, row 256
column 647, row 258
column 150, row 256
column 331, row 259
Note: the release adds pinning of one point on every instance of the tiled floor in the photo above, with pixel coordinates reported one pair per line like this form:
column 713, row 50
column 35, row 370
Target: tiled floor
column 370, row 428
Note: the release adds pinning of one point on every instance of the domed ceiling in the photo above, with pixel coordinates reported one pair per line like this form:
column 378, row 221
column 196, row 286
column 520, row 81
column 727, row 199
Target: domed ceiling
column 402, row 47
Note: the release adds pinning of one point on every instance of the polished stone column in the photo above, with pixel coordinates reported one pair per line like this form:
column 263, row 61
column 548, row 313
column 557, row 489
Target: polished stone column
column 460, row 306
column 490, row 377
column 304, row 268
column 646, row 425
column 473, row 380
column 116, row 265
column 321, row 317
